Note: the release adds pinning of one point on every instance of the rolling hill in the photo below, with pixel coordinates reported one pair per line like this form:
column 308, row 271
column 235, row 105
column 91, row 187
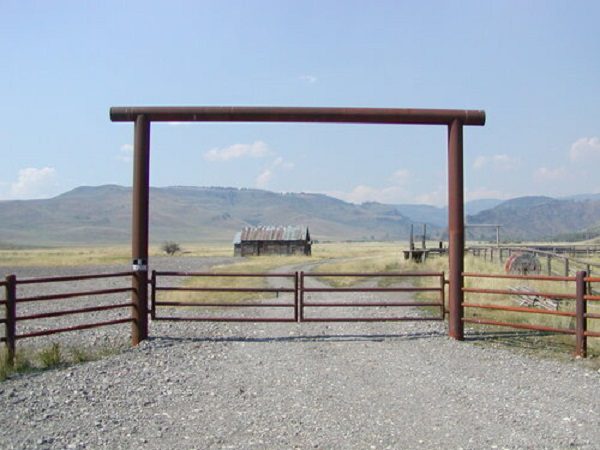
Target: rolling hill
column 544, row 218
column 103, row 215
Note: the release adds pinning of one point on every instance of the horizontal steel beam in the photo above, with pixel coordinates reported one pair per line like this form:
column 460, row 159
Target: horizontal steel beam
column 297, row 114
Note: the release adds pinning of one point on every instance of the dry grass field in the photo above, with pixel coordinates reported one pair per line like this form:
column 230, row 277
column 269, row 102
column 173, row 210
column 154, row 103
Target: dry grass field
column 331, row 257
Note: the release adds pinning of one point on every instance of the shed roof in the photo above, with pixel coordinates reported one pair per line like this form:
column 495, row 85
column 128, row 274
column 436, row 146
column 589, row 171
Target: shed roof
column 275, row 233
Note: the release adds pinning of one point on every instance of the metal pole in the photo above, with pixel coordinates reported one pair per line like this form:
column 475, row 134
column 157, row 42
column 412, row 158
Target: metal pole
column 139, row 240
column 301, row 297
column 456, row 230
column 580, row 313
column 153, row 296
column 296, row 298
column 11, row 318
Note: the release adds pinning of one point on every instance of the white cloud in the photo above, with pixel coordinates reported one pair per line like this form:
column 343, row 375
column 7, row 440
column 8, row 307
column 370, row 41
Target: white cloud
column 363, row 193
column 544, row 174
column 126, row 154
column 401, row 176
column 437, row 197
column 278, row 164
column 310, row 79
column 394, row 193
column 34, row 183
column 479, row 162
column 483, row 192
column 585, row 148
column 256, row 150
column 499, row 161
column 262, row 180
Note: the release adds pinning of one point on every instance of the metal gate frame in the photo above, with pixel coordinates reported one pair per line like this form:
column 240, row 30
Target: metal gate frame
column 453, row 119
column 299, row 304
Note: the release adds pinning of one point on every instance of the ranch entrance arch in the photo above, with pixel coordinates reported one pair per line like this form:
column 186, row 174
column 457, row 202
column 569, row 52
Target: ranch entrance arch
column 142, row 117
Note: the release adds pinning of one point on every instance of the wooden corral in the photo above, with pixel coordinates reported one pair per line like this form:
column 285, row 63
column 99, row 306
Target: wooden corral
column 272, row 240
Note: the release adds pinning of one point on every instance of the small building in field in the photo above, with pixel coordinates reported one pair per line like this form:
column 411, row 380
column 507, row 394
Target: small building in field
column 272, row 240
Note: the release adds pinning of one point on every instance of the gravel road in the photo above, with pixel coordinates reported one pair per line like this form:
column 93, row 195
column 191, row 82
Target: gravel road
column 333, row 386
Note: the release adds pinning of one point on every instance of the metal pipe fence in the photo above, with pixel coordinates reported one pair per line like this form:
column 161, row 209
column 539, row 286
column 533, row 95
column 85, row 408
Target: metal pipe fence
column 439, row 303
column 306, row 298
column 12, row 300
column 571, row 303
column 199, row 303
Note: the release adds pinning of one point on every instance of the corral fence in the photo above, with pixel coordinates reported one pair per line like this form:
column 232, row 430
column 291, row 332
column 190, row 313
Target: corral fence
column 554, row 260
column 44, row 310
column 572, row 308
column 305, row 297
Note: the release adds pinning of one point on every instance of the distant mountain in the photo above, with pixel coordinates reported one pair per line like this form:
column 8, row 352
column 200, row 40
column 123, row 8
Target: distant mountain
column 580, row 197
column 102, row 214
column 540, row 218
column 439, row 215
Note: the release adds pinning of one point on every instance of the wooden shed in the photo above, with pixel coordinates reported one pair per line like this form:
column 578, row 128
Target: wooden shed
column 272, row 240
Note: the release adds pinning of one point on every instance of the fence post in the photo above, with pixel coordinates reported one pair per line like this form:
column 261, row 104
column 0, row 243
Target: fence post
column 301, row 298
column 11, row 317
column 566, row 267
column 580, row 316
column 296, row 298
column 443, row 295
column 153, row 296
column 549, row 261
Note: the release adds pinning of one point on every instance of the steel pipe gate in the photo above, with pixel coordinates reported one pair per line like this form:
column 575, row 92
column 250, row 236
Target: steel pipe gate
column 299, row 308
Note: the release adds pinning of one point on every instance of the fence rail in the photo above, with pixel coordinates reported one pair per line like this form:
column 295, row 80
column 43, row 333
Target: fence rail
column 304, row 305
column 156, row 288
column 12, row 300
column 581, row 286
column 576, row 301
column 568, row 264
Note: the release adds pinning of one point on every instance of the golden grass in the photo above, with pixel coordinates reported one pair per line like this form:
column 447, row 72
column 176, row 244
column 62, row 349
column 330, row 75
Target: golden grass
column 478, row 265
column 259, row 264
column 98, row 255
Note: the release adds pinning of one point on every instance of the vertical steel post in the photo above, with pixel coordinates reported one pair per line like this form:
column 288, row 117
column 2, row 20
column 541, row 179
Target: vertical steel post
column 140, row 218
column 456, row 230
column 301, row 299
column 11, row 318
column 296, row 299
column 580, row 315
column 153, row 295
column 443, row 295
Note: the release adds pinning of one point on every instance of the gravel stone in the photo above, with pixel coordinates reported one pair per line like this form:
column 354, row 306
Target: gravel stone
column 286, row 385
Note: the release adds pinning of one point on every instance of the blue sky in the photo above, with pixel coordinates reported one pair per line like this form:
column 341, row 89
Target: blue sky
column 534, row 67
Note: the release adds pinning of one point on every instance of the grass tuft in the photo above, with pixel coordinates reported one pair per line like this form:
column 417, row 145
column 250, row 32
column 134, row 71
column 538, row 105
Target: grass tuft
column 50, row 357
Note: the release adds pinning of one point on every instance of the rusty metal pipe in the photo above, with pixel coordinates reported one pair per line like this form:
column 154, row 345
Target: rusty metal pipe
column 139, row 241
column 297, row 114
column 456, row 230
column 580, row 312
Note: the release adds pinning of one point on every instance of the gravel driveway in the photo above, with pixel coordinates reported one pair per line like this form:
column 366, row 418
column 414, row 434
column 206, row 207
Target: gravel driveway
column 342, row 385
